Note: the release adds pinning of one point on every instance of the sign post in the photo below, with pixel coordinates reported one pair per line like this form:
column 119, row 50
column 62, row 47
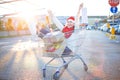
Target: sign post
column 113, row 9
column 113, row 4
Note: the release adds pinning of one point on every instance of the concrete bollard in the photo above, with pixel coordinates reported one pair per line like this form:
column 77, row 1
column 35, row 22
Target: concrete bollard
column 112, row 37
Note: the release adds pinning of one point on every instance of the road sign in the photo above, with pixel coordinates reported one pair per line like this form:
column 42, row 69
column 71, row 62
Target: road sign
column 113, row 3
column 113, row 9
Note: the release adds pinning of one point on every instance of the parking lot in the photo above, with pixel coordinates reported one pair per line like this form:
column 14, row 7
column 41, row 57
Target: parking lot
column 21, row 59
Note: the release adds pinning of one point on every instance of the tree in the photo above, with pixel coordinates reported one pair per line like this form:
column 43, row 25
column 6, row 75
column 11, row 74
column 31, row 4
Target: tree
column 1, row 25
column 9, row 25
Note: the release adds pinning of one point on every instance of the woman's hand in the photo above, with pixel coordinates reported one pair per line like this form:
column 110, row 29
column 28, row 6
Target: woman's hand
column 81, row 6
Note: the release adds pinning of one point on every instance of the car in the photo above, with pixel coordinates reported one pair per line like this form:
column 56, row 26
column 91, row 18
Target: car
column 99, row 28
column 88, row 27
column 118, row 30
column 104, row 27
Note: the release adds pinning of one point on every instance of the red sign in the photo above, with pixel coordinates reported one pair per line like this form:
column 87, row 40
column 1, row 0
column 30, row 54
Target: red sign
column 113, row 3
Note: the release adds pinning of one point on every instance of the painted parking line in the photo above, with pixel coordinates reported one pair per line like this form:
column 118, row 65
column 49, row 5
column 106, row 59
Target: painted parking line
column 3, row 43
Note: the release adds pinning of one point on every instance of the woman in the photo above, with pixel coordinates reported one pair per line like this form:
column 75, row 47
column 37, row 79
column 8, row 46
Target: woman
column 68, row 29
column 70, row 23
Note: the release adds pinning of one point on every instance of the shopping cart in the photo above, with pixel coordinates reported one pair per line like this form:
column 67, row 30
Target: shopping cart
column 59, row 47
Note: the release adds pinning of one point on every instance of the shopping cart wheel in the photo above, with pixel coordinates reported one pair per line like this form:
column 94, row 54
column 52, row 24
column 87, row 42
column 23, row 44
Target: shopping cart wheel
column 66, row 66
column 44, row 73
column 56, row 75
column 85, row 67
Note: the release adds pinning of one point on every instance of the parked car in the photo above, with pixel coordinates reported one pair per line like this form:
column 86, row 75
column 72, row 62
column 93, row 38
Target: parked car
column 118, row 30
column 104, row 27
column 99, row 28
column 89, row 27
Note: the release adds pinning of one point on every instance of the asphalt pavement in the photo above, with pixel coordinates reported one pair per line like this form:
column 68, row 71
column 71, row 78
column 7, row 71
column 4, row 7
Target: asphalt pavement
column 22, row 59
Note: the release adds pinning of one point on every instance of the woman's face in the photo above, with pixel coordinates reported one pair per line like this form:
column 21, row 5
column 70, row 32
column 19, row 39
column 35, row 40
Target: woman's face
column 70, row 23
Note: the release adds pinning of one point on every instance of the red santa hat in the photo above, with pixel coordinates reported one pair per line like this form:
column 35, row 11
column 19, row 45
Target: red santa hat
column 71, row 18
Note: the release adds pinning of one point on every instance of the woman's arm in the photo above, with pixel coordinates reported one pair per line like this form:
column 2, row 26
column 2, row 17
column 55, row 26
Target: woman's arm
column 77, row 17
column 80, row 7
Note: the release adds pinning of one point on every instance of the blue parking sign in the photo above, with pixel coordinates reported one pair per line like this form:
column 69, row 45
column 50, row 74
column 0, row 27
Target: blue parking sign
column 113, row 9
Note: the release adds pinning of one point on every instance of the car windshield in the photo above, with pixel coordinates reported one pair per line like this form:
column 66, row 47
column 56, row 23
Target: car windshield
column 112, row 24
column 116, row 26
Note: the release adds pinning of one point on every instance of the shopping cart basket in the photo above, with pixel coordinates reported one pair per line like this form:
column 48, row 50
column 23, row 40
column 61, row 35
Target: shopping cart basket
column 56, row 46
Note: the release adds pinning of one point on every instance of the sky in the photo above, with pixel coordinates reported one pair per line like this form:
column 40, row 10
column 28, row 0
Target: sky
column 61, row 7
column 70, row 7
